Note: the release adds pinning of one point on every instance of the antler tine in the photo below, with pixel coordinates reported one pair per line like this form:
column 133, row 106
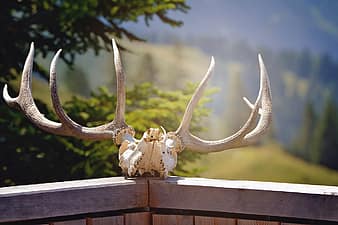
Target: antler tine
column 25, row 102
column 185, row 124
column 63, row 117
column 120, row 81
column 266, row 104
column 242, row 137
column 70, row 127
column 100, row 132
column 26, row 82
column 106, row 131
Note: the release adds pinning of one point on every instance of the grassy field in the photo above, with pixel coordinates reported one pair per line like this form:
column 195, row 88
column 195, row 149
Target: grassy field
column 264, row 163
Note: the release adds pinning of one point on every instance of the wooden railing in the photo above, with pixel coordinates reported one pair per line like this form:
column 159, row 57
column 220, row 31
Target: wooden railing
column 177, row 200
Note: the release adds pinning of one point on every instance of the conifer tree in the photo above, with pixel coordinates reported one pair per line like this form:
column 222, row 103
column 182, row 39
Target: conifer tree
column 325, row 145
column 303, row 143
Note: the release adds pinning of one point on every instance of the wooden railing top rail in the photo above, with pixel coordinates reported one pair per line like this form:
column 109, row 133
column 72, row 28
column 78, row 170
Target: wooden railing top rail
column 251, row 199
column 176, row 195
column 61, row 199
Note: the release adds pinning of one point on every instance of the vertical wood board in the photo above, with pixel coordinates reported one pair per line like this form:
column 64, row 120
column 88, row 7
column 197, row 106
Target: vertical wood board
column 143, row 218
column 111, row 220
column 172, row 220
column 256, row 222
column 203, row 220
column 71, row 222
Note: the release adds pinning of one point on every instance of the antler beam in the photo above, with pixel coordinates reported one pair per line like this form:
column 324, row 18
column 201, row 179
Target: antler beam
column 68, row 127
column 156, row 152
column 247, row 134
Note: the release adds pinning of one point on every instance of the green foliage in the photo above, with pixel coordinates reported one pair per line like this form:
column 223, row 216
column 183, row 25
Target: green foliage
column 74, row 26
column 29, row 155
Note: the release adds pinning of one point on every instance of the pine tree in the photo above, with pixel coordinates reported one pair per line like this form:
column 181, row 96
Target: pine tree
column 303, row 143
column 325, row 146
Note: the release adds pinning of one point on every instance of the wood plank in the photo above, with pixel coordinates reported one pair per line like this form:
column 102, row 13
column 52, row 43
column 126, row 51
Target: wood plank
column 203, row 220
column 172, row 220
column 294, row 224
column 137, row 218
column 313, row 202
column 29, row 202
column 111, row 220
column 71, row 222
column 256, row 222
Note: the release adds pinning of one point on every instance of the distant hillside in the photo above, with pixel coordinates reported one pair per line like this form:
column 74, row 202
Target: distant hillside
column 296, row 77
column 167, row 66
column 264, row 163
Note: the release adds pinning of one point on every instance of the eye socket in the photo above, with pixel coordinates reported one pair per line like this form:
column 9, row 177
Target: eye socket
column 152, row 136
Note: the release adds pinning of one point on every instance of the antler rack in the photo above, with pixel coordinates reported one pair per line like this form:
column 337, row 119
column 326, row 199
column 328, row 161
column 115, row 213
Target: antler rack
column 119, row 131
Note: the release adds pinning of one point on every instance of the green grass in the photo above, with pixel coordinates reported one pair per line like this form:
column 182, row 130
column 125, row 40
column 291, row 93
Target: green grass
column 265, row 163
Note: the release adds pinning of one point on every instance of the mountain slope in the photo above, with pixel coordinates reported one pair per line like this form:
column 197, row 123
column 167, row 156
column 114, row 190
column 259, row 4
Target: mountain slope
column 265, row 163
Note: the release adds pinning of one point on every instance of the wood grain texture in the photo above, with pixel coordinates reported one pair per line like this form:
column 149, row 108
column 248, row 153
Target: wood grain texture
column 172, row 220
column 71, row 222
column 111, row 220
column 195, row 196
column 256, row 222
column 246, row 197
column 294, row 224
column 137, row 218
column 203, row 220
column 29, row 202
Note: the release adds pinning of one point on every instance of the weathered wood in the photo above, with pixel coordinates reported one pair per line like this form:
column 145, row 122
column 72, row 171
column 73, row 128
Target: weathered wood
column 312, row 202
column 197, row 198
column 203, row 220
column 29, row 202
column 256, row 222
column 111, row 220
column 71, row 222
column 293, row 224
column 137, row 218
column 172, row 220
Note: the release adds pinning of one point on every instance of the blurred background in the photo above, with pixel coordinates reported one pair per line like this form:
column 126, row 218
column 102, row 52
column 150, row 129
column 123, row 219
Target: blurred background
column 166, row 49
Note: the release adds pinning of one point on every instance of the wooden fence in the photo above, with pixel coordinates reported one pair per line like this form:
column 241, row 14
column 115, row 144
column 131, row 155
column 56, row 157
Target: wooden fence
column 177, row 200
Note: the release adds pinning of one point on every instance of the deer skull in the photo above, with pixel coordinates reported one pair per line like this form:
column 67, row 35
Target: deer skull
column 156, row 152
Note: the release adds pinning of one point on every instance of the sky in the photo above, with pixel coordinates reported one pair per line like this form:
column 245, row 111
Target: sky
column 287, row 24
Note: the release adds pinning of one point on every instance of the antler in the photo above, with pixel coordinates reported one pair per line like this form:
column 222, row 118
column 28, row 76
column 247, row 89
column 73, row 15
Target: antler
column 247, row 134
column 25, row 102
